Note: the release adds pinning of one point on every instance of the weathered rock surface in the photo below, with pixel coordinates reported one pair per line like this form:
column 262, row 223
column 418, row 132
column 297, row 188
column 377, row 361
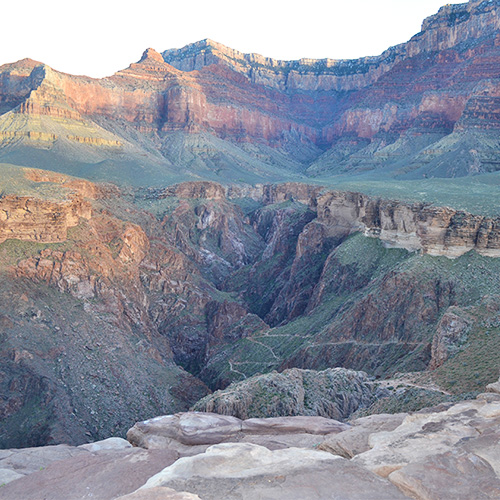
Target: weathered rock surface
column 28, row 460
column 432, row 230
column 448, row 476
column 356, row 439
column 334, row 393
column 103, row 475
column 425, row 435
column 450, row 335
column 159, row 493
column 447, row 453
column 495, row 387
column 195, row 429
column 251, row 471
column 113, row 443
column 38, row 220
column 8, row 475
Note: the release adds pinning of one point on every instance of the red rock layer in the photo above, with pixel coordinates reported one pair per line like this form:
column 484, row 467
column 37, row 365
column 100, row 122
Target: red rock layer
column 440, row 79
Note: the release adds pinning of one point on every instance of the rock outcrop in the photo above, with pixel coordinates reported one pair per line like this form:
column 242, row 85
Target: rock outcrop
column 450, row 335
column 432, row 230
column 449, row 452
column 494, row 387
column 415, row 227
column 356, row 440
column 194, row 431
column 451, row 25
column 459, row 446
column 245, row 470
column 38, row 220
column 334, row 393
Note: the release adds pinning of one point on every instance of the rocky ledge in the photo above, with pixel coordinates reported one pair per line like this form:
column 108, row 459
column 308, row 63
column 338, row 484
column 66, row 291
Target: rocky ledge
column 415, row 227
column 44, row 221
column 447, row 452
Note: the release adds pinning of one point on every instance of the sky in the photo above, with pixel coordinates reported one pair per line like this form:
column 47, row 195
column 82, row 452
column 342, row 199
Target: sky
column 99, row 37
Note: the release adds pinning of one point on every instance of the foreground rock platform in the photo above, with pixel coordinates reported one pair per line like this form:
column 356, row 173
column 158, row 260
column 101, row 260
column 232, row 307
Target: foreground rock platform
column 451, row 452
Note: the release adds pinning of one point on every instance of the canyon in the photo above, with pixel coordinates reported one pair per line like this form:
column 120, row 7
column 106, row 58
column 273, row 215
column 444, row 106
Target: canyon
column 221, row 284
column 289, row 268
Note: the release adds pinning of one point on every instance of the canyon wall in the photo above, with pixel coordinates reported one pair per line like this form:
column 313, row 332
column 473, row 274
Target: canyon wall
column 432, row 230
column 453, row 24
column 443, row 78
column 44, row 221
column 413, row 226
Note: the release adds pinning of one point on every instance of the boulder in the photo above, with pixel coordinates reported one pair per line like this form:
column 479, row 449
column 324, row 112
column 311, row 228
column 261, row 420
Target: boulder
column 112, row 443
column 191, row 428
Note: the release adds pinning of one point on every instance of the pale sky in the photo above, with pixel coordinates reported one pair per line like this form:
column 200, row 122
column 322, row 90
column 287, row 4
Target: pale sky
column 100, row 37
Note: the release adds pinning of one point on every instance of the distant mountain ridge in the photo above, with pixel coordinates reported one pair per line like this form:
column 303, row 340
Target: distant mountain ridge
column 425, row 108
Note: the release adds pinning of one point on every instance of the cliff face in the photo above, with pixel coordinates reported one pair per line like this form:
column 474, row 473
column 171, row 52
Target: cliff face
column 414, row 227
column 418, row 105
column 432, row 230
column 453, row 24
column 35, row 220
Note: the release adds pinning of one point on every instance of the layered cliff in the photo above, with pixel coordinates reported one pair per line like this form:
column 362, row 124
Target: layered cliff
column 432, row 230
column 453, row 24
column 37, row 220
column 427, row 107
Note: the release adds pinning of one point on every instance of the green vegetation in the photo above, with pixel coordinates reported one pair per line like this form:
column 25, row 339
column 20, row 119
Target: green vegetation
column 409, row 400
column 474, row 194
column 13, row 251
column 436, row 283
column 13, row 181
column 476, row 365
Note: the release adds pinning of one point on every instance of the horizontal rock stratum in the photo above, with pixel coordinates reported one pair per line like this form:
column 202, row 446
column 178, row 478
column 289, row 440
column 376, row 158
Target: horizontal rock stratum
column 421, row 227
column 426, row 108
